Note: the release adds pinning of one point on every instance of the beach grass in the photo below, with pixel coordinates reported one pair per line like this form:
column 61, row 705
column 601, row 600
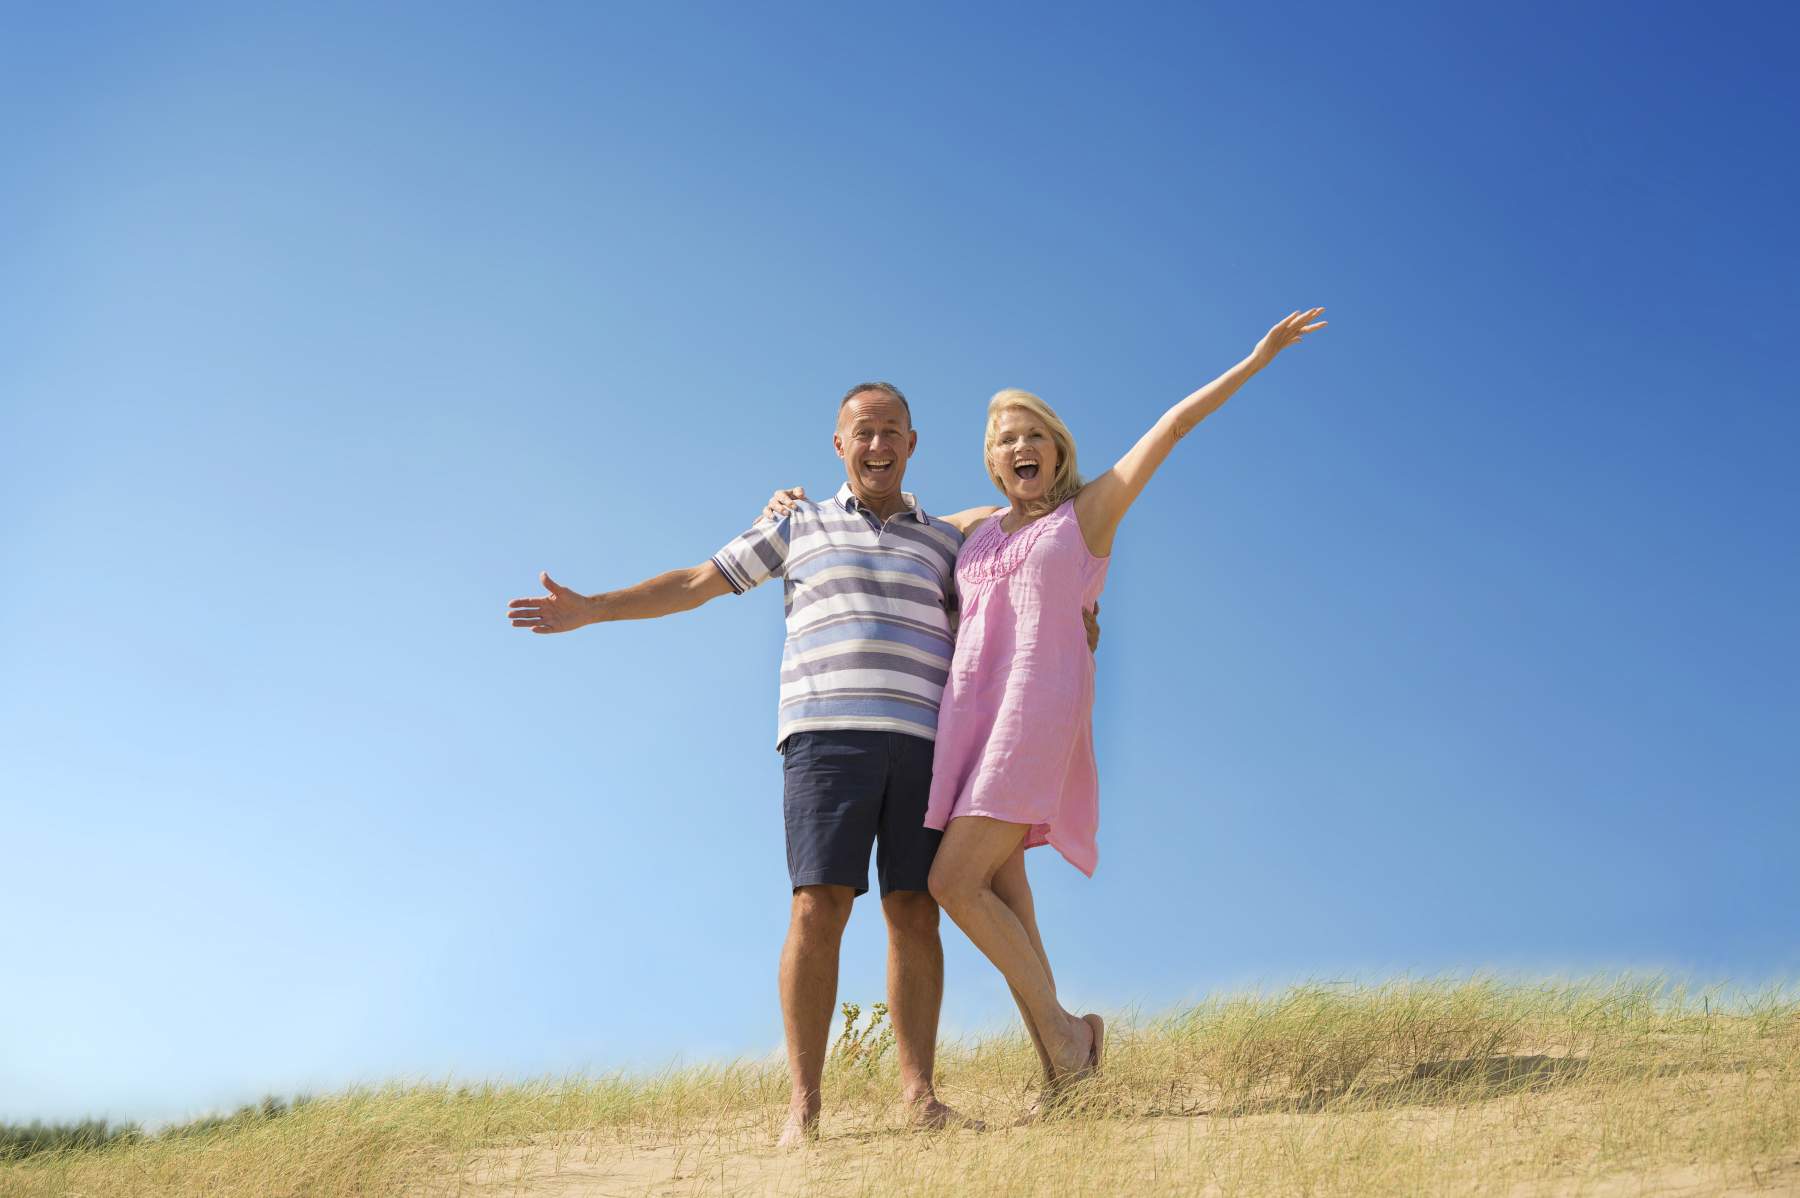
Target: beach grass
column 1464, row 1086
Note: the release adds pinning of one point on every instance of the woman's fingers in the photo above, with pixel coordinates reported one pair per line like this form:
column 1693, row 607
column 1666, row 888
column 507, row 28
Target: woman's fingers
column 1296, row 325
column 782, row 502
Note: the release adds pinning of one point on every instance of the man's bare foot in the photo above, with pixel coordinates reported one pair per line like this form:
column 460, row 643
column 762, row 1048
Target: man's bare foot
column 932, row 1115
column 802, row 1129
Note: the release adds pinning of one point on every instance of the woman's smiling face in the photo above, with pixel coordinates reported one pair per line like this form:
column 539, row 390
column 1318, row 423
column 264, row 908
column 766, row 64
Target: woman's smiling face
column 1023, row 456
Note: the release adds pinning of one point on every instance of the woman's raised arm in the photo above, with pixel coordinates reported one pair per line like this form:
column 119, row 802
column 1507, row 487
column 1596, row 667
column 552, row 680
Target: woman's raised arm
column 1103, row 502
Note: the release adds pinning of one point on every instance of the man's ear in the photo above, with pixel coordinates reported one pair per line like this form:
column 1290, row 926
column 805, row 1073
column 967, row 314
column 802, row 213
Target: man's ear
column 912, row 441
column 837, row 443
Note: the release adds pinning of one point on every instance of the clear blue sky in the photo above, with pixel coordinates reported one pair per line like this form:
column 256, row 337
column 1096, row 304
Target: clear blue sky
column 1464, row 637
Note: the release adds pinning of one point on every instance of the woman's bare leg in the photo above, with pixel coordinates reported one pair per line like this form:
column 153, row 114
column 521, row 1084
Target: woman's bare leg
column 972, row 851
column 1014, row 889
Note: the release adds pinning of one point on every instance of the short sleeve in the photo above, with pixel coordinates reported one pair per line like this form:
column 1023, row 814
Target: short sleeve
column 756, row 555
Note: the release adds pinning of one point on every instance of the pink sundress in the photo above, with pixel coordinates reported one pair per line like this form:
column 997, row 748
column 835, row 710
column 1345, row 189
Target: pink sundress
column 1015, row 736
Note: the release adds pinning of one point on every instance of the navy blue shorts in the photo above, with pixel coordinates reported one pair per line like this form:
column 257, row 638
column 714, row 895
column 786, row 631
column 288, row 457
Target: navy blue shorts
column 846, row 792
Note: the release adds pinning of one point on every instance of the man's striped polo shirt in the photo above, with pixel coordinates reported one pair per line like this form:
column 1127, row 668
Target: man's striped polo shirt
column 868, row 612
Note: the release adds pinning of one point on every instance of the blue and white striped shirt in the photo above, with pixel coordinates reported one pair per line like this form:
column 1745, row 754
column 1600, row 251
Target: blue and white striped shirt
column 868, row 612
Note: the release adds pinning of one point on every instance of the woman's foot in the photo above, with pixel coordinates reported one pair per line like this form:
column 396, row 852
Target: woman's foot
column 1092, row 1041
column 1077, row 1056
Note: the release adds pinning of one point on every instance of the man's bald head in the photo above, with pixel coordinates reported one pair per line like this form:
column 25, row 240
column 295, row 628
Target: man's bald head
column 887, row 389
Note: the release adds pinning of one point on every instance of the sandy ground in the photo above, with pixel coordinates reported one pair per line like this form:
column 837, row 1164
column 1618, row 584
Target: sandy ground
column 739, row 1161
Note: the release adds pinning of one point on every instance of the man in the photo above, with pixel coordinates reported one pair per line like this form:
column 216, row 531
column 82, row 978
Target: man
column 870, row 594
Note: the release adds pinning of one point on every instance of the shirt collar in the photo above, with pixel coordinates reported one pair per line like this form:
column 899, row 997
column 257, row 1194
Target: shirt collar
column 847, row 500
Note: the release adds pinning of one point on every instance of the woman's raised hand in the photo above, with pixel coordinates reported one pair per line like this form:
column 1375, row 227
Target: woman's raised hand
column 1287, row 332
column 783, row 502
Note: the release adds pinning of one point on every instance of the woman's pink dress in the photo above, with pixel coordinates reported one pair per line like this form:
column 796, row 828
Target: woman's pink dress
column 1015, row 736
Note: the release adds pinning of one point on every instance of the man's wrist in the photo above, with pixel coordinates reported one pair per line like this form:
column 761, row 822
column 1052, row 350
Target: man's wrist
column 593, row 609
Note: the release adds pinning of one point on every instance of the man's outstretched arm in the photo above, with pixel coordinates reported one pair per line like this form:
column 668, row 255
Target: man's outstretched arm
column 563, row 610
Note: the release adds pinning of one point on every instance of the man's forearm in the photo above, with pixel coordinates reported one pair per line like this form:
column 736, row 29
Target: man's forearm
column 664, row 595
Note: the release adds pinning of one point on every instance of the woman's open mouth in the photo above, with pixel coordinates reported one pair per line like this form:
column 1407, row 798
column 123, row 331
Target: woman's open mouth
column 1026, row 470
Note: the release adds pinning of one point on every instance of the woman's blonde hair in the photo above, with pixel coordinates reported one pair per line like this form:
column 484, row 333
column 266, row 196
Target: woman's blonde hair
column 1067, row 481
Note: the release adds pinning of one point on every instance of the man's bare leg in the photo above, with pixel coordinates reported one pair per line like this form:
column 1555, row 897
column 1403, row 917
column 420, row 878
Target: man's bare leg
column 915, row 996
column 809, row 973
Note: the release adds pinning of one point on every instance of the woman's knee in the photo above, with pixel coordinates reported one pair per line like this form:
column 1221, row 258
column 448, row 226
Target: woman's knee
column 952, row 888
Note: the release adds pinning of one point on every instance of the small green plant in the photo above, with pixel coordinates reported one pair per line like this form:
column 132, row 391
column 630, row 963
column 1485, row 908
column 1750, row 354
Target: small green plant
column 18, row 1140
column 863, row 1047
column 247, row 1115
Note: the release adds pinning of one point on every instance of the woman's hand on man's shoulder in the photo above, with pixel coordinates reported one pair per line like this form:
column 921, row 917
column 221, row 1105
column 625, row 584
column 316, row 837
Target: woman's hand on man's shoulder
column 785, row 500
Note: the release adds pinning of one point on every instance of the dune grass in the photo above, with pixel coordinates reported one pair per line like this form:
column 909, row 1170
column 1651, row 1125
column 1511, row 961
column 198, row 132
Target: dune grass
column 1470, row 1086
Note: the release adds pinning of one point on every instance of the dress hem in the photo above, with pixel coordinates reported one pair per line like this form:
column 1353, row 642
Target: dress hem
column 1050, row 839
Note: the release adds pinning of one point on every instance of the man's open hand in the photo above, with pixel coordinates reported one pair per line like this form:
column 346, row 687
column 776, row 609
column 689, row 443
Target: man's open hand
column 562, row 610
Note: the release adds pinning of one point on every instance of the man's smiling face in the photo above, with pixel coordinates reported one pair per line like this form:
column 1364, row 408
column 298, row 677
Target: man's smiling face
column 875, row 438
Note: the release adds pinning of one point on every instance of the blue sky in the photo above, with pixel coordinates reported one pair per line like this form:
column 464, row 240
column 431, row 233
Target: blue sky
column 1462, row 638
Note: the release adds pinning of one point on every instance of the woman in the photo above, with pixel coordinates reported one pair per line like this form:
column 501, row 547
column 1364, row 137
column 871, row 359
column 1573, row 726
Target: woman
column 1014, row 764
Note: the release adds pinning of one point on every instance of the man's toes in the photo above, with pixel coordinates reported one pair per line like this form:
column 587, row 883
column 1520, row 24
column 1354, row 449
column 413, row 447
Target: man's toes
column 936, row 1117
